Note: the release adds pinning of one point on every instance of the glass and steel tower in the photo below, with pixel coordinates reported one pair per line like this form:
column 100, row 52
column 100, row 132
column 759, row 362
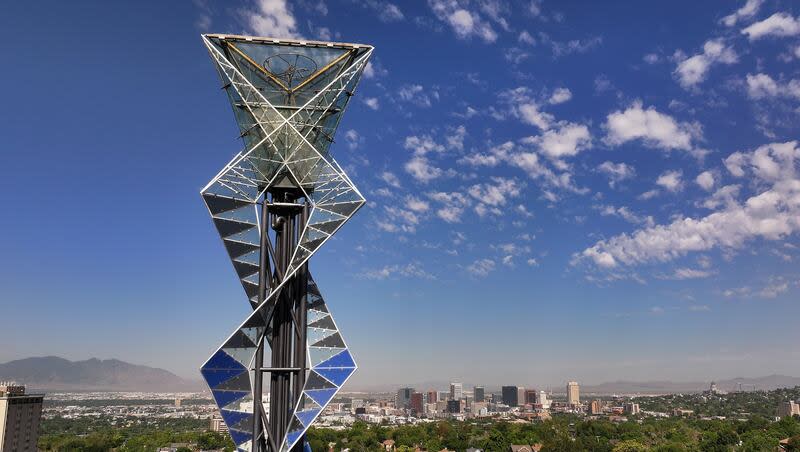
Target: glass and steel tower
column 274, row 205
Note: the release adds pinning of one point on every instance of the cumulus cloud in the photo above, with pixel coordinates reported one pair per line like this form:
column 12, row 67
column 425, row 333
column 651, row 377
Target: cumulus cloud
column 616, row 172
column 415, row 94
column 771, row 214
column 705, row 180
column 762, row 86
column 421, row 169
column 560, row 95
column 655, row 129
column 391, row 179
column 776, row 25
column 481, row 267
column 372, row 102
column 565, row 141
column 748, row 10
column 671, row 180
column 625, row 213
column 410, row 270
column 272, row 18
column 694, row 69
column 422, row 144
column 451, row 205
column 494, row 194
column 464, row 22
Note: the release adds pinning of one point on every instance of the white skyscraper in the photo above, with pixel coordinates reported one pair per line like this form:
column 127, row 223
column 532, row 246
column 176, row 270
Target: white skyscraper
column 573, row 393
column 456, row 391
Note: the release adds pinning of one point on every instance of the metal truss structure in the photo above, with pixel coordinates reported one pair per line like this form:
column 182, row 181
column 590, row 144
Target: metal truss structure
column 288, row 98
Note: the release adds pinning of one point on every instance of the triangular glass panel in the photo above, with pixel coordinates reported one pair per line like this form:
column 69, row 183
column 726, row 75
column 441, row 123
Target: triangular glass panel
column 343, row 359
column 337, row 375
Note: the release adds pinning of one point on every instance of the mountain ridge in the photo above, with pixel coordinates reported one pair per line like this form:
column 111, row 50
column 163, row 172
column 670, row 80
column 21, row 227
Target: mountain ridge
column 60, row 374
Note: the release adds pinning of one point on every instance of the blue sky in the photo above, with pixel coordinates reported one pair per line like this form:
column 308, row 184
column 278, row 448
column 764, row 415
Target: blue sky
column 557, row 190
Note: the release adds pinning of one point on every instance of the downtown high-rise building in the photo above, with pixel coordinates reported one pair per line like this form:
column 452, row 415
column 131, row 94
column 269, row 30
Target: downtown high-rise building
column 510, row 395
column 417, row 403
column 432, row 396
column 403, row 398
column 530, row 396
column 478, row 394
column 456, row 390
column 20, row 415
column 573, row 393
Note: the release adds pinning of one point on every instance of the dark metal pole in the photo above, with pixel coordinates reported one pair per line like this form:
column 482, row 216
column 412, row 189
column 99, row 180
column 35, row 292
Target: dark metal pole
column 259, row 443
column 302, row 308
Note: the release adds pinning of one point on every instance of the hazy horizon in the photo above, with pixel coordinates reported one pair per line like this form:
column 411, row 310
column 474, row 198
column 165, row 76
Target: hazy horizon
column 556, row 191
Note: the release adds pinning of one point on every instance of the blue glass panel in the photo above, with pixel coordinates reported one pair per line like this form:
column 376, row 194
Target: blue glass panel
column 322, row 396
column 292, row 437
column 341, row 360
column 240, row 437
column 234, row 417
column 222, row 360
column 307, row 447
column 225, row 397
column 216, row 376
column 336, row 375
column 306, row 417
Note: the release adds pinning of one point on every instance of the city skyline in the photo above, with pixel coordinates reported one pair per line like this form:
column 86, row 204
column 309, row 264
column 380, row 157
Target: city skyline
column 554, row 191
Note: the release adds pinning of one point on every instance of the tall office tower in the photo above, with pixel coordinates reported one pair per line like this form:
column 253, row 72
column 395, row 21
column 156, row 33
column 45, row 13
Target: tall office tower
column 403, row 397
column 456, row 390
column 453, row 406
column 478, row 394
column 543, row 400
column 520, row 396
column 433, row 397
column 596, row 407
column 275, row 204
column 573, row 393
column 510, row 395
column 20, row 415
column 416, row 403
column 530, row 396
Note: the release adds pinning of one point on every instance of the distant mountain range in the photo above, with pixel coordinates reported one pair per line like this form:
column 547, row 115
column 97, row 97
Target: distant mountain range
column 767, row 383
column 59, row 374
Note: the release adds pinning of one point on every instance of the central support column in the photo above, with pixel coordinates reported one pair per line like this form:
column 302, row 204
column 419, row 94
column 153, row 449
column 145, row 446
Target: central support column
column 287, row 326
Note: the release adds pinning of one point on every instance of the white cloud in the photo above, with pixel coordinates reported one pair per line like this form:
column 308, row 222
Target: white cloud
column 772, row 214
column 415, row 94
column 422, row 170
column 372, row 102
column 566, row 141
column 671, row 180
column 694, row 70
column 748, row 10
column 417, row 205
column 481, row 267
column 705, row 180
column 390, row 179
column 649, row 194
column 272, row 18
column 422, row 145
column 651, row 58
column 616, row 172
column 690, row 273
column 455, row 140
column 353, row 139
column 497, row 193
column 411, row 270
column 465, row 23
column 530, row 114
column 560, row 95
column 761, row 86
column 374, row 70
column 386, row 11
column 526, row 38
column 657, row 130
column 452, row 205
column 624, row 213
column 778, row 25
